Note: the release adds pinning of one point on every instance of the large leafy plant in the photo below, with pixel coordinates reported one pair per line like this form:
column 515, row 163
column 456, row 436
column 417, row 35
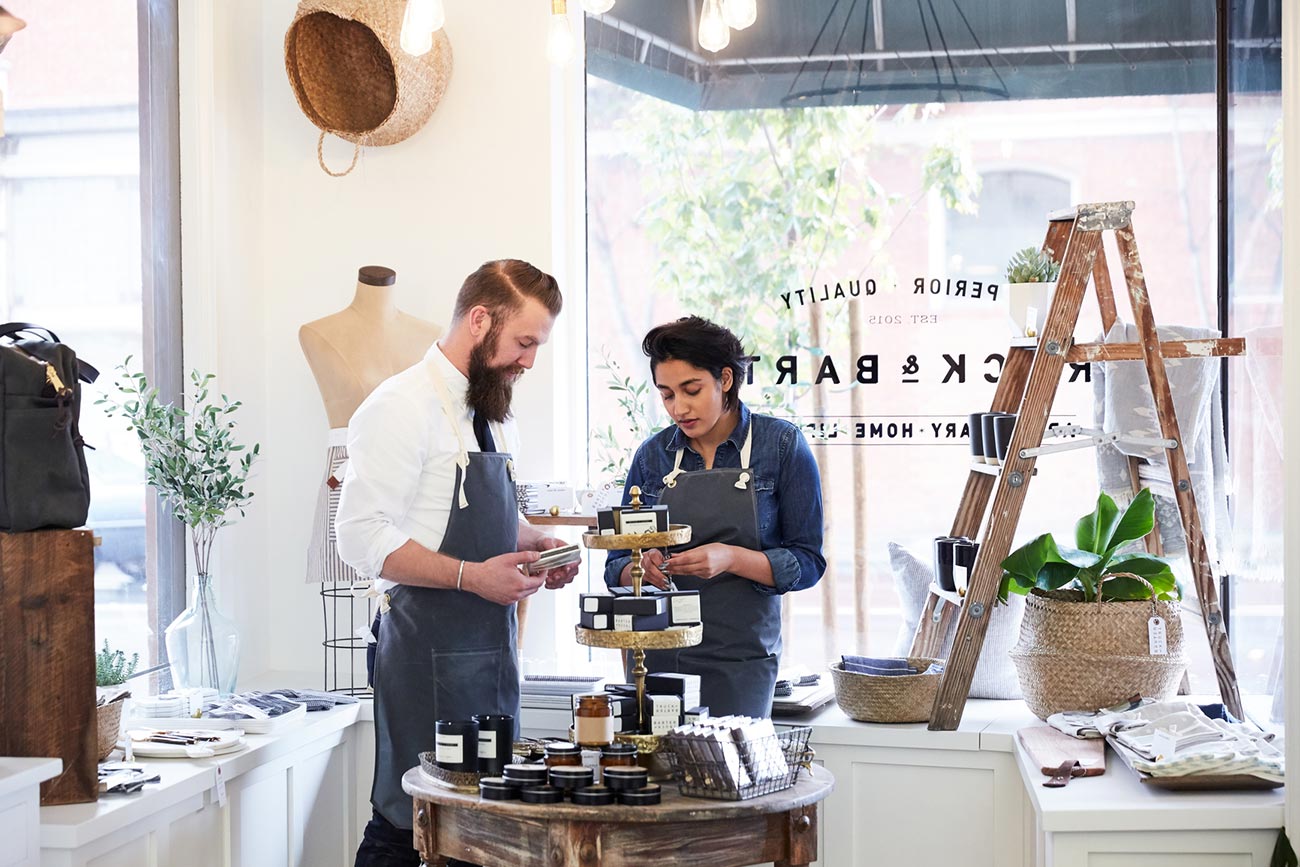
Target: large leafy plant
column 190, row 456
column 1045, row 565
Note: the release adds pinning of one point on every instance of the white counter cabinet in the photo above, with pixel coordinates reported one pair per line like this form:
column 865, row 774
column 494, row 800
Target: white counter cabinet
column 290, row 799
column 20, row 800
column 903, row 795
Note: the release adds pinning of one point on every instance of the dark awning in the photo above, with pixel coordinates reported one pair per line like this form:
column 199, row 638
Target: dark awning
column 845, row 52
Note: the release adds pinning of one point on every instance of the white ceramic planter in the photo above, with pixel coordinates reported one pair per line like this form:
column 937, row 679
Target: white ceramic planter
column 1028, row 304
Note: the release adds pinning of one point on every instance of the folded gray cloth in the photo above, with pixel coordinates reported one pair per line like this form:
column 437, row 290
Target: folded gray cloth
column 884, row 666
column 314, row 698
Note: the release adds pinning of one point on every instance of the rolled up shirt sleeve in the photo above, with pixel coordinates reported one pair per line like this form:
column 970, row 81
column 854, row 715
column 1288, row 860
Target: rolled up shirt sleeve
column 386, row 452
column 799, row 562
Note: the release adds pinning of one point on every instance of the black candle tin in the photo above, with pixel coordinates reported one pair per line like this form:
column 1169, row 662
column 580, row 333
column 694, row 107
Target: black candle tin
column 572, row 777
column 1003, row 426
column 635, row 777
column 593, row 796
column 497, row 789
column 456, row 745
column 645, row 796
column 496, row 740
column 541, row 795
column 525, row 775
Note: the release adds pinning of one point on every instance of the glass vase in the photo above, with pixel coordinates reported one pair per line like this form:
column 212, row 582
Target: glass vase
column 203, row 643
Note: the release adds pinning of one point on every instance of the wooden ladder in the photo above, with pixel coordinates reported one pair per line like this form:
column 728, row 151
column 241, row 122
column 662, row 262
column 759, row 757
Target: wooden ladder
column 1027, row 386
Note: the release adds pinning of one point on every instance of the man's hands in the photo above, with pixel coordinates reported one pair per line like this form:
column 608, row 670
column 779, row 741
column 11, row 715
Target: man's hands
column 500, row 579
column 561, row 575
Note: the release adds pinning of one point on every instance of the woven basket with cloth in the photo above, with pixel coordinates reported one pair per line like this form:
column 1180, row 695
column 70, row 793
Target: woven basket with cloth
column 1074, row 654
column 887, row 699
column 351, row 77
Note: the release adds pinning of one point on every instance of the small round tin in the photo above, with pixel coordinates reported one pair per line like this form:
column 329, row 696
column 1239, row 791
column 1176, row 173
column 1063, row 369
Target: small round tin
column 560, row 753
column 643, row 797
column 525, row 775
column 541, row 795
column 635, row 777
column 497, row 789
column 566, row 777
column 593, row 796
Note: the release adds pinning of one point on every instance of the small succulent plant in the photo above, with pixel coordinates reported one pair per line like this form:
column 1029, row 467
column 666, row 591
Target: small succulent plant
column 1032, row 265
column 111, row 667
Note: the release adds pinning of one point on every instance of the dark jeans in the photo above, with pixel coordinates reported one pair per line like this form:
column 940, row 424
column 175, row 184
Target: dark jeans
column 386, row 845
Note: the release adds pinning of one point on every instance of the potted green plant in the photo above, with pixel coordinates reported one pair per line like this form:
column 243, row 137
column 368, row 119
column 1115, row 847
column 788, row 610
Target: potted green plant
column 111, row 669
column 193, row 460
column 1089, row 637
column 1031, row 282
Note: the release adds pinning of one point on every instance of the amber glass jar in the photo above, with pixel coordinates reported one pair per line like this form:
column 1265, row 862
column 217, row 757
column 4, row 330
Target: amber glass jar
column 618, row 755
column 560, row 753
column 593, row 720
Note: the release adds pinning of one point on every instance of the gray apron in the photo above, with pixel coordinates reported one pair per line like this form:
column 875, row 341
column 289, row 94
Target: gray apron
column 737, row 660
column 447, row 654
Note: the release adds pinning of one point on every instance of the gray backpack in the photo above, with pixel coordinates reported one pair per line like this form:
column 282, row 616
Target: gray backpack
column 43, row 478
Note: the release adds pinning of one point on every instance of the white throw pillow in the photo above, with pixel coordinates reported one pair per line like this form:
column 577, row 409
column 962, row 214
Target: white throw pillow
column 995, row 674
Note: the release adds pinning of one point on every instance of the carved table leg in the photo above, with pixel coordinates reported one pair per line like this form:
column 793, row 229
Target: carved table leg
column 426, row 832
column 801, row 833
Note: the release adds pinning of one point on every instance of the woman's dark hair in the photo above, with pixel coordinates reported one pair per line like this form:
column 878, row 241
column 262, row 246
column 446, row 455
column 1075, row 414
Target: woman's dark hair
column 700, row 343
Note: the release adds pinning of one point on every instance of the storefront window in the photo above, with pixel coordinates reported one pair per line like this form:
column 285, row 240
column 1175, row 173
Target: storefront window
column 70, row 246
column 823, row 184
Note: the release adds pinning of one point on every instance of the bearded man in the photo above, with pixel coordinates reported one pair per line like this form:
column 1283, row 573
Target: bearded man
column 428, row 510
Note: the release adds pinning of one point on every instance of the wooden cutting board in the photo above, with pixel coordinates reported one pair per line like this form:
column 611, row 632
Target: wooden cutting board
column 1049, row 749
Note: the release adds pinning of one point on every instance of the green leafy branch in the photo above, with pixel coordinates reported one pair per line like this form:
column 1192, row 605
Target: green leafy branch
column 618, row 446
column 191, row 456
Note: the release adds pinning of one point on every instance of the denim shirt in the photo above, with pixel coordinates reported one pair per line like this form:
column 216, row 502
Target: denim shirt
column 786, row 483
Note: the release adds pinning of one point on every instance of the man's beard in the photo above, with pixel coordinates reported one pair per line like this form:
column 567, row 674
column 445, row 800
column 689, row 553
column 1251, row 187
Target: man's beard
column 490, row 388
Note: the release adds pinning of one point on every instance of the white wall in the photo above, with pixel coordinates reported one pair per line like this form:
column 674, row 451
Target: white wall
column 271, row 242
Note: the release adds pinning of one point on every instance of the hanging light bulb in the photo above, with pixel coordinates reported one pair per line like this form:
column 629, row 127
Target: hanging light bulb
column 714, row 33
column 421, row 20
column 559, row 39
column 739, row 14
column 597, row 7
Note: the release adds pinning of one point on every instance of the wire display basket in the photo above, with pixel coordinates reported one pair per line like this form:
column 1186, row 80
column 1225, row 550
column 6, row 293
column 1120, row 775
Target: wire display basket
column 727, row 770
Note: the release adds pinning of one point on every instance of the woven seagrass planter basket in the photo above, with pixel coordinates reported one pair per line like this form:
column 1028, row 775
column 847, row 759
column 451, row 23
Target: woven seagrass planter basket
column 1080, row 655
column 886, row 699
column 351, row 77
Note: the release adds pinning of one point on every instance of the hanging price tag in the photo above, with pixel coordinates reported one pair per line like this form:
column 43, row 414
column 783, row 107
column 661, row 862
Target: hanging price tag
column 1156, row 636
column 1164, row 744
column 221, row 788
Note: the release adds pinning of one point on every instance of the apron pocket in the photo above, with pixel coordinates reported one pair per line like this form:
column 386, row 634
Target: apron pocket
column 466, row 682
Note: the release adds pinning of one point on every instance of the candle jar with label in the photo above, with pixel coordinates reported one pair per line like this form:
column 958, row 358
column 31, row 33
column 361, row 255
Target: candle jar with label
column 593, row 720
column 456, row 745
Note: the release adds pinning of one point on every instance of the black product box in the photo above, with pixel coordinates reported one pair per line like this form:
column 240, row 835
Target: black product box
column 696, row 714
column 684, row 686
column 644, row 606
column 610, row 521
column 683, row 605
column 625, row 716
column 640, row 622
column 596, row 603
column 593, row 620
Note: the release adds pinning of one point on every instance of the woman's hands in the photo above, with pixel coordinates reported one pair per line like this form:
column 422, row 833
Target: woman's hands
column 706, row 561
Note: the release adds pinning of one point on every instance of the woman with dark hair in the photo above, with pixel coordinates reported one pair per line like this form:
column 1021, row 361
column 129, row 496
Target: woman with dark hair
column 748, row 486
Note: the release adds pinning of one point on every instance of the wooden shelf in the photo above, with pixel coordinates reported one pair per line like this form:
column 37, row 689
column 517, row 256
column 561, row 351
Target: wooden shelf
column 544, row 520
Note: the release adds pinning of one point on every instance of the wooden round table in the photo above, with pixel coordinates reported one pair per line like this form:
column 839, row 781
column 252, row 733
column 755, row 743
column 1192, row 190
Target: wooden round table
column 781, row 828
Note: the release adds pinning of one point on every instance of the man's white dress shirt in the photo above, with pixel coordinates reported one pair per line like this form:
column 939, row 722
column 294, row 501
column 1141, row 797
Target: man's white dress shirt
column 402, row 455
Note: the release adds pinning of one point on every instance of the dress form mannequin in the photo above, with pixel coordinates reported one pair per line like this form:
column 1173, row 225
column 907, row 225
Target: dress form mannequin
column 350, row 352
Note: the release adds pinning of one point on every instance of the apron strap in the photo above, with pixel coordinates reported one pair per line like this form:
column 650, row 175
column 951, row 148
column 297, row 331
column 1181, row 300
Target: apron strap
column 444, row 397
column 745, row 451
column 671, row 479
